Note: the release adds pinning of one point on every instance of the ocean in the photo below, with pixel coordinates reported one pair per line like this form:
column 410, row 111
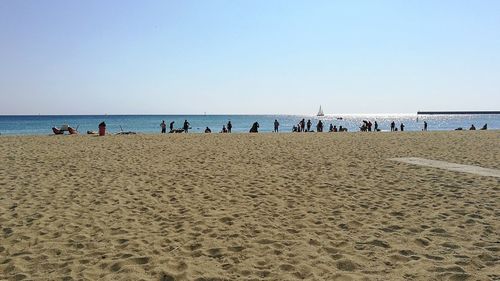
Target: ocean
column 42, row 124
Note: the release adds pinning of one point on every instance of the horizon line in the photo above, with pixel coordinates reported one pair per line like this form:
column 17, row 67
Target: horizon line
column 209, row 114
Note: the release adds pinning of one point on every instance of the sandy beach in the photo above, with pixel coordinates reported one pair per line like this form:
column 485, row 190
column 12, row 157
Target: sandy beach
column 306, row 206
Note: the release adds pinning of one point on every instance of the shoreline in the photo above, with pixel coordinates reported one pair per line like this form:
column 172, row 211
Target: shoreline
column 245, row 133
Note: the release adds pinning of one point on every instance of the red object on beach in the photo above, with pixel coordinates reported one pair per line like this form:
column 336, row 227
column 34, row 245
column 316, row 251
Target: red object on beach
column 102, row 129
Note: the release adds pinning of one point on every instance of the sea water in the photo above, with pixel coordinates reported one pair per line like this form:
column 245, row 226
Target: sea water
column 42, row 124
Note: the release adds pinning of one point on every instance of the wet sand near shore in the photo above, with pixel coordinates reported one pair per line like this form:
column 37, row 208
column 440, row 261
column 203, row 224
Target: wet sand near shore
column 304, row 206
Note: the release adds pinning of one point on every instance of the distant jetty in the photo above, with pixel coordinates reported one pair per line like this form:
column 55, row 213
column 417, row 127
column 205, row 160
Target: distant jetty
column 455, row 112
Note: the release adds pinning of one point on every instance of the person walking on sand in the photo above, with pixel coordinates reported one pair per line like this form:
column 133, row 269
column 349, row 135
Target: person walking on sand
column 186, row 126
column 375, row 126
column 163, row 126
column 229, row 126
column 276, row 125
column 402, row 126
column 425, row 126
column 172, row 126
column 309, row 123
column 393, row 126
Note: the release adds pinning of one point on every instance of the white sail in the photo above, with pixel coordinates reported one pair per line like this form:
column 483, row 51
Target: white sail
column 320, row 112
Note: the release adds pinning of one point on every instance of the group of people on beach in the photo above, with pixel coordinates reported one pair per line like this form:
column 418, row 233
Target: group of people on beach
column 401, row 127
column 302, row 126
column 473, row 128
column 185, row 127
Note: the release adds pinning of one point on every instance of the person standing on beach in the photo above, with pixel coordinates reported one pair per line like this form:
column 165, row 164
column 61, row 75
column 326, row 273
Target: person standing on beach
column 309, row 123
column 186, row 126
column 319, row 127
column 172, row 126
column 163, row 126
column 276, row 125
column 425, row 126
column 393, row 126
column 302, row 125
column 402, row 126
column 229, row 126
column 375, row 126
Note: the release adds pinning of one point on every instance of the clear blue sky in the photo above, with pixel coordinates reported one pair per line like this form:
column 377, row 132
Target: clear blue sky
column 175, row 57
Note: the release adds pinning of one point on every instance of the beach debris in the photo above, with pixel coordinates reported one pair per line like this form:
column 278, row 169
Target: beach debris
column 126, row 133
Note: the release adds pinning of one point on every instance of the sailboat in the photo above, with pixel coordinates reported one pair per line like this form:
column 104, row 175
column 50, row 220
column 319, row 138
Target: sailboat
column 320, row 112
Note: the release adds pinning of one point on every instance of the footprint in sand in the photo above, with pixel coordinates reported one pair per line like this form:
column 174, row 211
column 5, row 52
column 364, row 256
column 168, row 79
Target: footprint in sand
column 422, row 242
column 346, row 265
column 287, row 267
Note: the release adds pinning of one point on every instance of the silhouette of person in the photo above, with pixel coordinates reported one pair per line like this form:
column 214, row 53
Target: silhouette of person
column 186, row 126
column 319, row 126
column 402, row 126
column 224, row 130
column 472, row 128
column 425, row 126
column 393, row 126
column 163, row 126
column 229, row 126
column 207, row 130
column 172, row 125
column 309, row 123
column 375, row 126
column 302, row 125
column 485, row 127
column 276, row 125
column 255, row 128
column 331, row 128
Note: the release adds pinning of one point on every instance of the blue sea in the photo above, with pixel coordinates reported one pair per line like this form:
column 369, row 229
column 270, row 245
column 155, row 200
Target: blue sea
column 42, row 124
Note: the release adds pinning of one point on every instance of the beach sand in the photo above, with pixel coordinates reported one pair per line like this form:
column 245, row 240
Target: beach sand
column 307, row 206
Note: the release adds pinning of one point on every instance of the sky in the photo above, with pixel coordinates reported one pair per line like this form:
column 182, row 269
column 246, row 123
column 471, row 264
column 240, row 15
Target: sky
column 248, row 57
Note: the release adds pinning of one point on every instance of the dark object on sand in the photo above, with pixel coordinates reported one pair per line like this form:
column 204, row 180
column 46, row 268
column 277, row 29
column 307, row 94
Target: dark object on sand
column 57, row 131
column 64, row 128
column 485, row 127
column 176, row 131
column 126, row 133
column 255, row 128
column 459, row 129
column 102, row 129
column 91, row 133
column 72, row 131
